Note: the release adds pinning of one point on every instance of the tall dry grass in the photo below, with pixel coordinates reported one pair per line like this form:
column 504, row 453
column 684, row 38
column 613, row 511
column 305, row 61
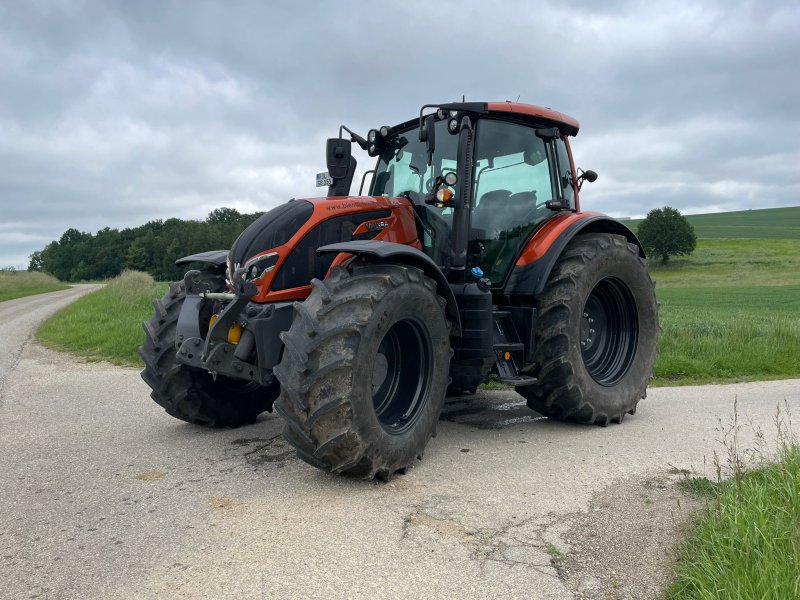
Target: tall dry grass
column 16, row 284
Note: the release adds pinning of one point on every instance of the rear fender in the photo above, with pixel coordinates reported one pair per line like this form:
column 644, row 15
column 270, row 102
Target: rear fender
column 390, row 252
column 542, row 251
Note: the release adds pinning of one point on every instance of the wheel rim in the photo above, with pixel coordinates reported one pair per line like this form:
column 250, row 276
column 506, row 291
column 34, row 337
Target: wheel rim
column 401, row 376
column 609, row 331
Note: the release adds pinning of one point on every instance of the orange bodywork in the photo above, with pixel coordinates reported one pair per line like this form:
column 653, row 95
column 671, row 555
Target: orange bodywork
column 535, row 111
column 398, row 227
column 552, row 229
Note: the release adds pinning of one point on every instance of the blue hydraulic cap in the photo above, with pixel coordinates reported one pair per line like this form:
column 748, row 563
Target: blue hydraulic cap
column 477, row 272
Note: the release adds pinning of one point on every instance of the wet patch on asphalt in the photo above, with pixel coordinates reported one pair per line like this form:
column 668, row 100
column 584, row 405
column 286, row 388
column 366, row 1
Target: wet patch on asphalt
column 259, row 451
column 492, row 412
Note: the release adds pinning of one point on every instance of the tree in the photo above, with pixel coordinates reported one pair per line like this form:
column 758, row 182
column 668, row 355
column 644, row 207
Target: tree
column 665, row 232
column 36, row 261
column 223, row 215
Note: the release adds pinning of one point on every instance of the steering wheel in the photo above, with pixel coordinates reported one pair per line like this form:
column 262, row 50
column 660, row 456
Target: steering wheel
column 410, row 195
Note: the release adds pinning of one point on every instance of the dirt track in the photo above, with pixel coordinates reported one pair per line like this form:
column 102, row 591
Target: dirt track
column 102, row 495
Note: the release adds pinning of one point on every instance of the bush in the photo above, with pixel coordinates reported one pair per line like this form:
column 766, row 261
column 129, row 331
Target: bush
column 665, row 232
column 131, row 287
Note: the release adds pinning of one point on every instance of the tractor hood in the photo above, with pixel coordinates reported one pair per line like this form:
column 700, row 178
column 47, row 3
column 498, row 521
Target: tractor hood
column 270, row 230
column 278, row 250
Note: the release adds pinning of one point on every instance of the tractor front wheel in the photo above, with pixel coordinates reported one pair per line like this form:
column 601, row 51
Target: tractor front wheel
column 365, row 370
column 191, row 394
column 596, row 333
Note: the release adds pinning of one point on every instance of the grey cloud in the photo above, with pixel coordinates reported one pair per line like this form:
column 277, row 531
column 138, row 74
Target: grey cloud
column 119, row 113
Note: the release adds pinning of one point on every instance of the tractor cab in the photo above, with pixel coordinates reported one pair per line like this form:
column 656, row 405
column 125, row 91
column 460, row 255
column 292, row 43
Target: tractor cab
column 481, row 180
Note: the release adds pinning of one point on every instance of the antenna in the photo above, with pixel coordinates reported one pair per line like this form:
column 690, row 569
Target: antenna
column 518, row 96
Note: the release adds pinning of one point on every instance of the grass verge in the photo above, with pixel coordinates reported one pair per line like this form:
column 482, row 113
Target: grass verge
column 746, row 544
column 106, row 324
column 18, row 284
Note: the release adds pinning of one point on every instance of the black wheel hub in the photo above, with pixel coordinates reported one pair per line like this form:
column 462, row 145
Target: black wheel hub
column 401, row 376
column 609, row 331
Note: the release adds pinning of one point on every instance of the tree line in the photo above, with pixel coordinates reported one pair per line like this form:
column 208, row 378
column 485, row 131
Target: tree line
column 153, row 247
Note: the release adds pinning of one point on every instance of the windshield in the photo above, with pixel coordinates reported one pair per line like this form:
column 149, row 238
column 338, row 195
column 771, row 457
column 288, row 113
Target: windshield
column 403, row 170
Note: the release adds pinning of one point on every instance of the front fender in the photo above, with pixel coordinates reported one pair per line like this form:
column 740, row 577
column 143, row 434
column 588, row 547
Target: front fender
column 392, row 252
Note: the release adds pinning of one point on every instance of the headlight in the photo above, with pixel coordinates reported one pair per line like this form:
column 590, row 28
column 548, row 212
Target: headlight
column 256, row 267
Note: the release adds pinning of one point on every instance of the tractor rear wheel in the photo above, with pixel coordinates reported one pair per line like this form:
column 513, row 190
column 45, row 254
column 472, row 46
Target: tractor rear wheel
column 596, row 333
column 191, row 394
column 364, row 370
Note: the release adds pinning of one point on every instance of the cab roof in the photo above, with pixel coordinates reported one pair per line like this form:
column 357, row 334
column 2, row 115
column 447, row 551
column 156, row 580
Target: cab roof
column 525, row 112
column 568, row 124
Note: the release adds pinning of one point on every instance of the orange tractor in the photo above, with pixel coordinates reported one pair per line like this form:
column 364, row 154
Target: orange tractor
column 357, row 315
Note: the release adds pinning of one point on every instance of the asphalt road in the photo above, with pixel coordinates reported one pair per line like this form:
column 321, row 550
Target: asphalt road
column 102, row 495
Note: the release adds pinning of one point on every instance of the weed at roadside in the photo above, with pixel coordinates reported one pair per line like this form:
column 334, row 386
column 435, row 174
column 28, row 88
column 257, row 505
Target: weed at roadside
column 747, row 542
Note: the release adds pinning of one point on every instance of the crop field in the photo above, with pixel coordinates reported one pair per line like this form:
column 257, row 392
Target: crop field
column 731, row 310
column 23, row 283
column 765, row 223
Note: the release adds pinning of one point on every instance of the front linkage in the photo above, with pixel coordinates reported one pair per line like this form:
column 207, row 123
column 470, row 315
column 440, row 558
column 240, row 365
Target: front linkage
column 242, row 338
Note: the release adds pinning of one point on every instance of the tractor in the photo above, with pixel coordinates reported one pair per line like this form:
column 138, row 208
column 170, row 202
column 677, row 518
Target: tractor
column 356, row 316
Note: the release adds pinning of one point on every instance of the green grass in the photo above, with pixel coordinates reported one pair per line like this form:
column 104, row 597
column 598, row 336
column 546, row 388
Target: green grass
column 733, row 262
column 722, row 334
column 730, row 312
column 746, row 543
column 766, row 223
column 106, row 324
column 17, row 284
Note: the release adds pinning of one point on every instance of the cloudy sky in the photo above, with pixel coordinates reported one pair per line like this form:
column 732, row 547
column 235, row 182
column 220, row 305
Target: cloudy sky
column 117, row 113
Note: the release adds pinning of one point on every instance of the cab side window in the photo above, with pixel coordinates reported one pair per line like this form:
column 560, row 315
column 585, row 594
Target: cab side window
column 565, row 179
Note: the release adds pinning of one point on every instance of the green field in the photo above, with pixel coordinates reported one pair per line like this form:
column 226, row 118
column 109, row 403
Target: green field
column 17, row 284
column 730, row 312
column 763, row 223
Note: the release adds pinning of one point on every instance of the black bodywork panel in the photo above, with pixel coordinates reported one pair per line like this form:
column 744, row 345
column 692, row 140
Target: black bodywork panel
column 212, row 257
column 270, row 230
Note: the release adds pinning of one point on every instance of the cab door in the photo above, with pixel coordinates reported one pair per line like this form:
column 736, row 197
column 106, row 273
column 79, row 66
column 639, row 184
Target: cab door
column 514, row 179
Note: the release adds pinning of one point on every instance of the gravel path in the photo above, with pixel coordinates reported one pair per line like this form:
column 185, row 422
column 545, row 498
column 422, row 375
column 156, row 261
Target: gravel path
column 102, row 495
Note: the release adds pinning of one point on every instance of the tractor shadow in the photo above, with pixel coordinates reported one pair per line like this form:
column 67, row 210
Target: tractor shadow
column 496, row 410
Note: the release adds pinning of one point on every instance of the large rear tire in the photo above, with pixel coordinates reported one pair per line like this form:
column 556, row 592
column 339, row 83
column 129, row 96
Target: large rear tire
column 364, row 370
column 596, row 333
column 191, row 394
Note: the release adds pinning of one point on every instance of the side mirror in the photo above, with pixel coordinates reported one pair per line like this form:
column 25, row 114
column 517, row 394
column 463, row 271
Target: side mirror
column 590, row 176
column 427, row 134
column 338, row 152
